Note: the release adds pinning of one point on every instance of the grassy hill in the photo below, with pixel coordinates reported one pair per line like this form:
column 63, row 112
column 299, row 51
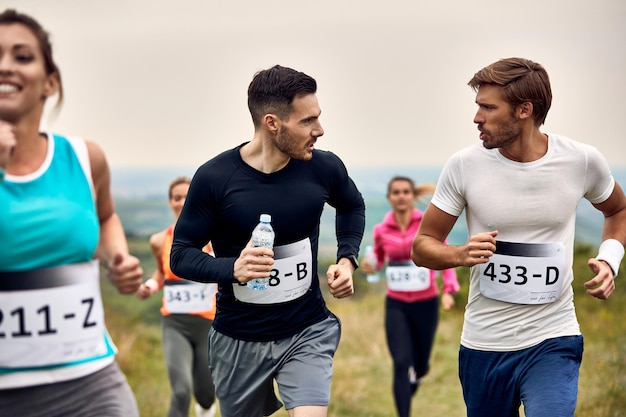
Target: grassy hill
column 141, row 201
column 362, row 382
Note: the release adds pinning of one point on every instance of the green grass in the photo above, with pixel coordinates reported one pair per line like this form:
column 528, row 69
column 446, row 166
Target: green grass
column 362, row 379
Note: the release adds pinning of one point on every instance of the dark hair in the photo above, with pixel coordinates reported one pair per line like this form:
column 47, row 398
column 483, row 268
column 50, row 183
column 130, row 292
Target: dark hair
column 273, row 91
column 401, row 178
column 522, row 81
column 420, row 192
column 10, row 16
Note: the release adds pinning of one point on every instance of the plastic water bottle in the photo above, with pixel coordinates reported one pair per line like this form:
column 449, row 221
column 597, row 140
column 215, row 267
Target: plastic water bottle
column 371, row 258
column 262, row 236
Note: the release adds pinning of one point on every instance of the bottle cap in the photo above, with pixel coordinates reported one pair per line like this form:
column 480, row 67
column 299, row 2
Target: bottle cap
column 266, row 218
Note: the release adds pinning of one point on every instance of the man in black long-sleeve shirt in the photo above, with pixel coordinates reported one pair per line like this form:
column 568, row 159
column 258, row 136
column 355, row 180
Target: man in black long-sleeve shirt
column 286, row 332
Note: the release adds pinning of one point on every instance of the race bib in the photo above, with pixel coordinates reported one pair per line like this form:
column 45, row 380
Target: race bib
column 185, row 297
column 524, row 273
column 51, row 316
column 290, row 277
column 406, row 276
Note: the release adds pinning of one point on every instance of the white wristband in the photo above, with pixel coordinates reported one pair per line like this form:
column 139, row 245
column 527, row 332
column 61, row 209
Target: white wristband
column 611, row 251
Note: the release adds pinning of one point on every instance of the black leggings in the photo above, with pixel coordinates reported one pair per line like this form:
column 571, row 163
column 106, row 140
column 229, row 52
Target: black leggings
column 410, row 331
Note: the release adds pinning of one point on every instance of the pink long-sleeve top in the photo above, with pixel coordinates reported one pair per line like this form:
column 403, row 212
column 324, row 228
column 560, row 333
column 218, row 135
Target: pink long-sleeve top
column 393, row 244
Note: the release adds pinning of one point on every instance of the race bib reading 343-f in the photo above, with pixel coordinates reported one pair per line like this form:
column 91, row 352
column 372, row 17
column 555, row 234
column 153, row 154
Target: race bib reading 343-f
column 186, row 297
column 524, row 273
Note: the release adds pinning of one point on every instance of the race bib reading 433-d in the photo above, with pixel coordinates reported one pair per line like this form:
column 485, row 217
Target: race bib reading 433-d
column 290, row 277
column 524, row 273
column 51, row 316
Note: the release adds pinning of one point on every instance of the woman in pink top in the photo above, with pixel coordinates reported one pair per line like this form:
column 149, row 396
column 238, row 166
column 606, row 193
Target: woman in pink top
column 412, row 303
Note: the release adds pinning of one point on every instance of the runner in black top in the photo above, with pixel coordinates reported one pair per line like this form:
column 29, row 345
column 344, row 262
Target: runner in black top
column 281, row 174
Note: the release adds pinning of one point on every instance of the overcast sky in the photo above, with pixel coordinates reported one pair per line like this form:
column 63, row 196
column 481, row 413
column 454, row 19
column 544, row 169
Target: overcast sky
column 163, row 82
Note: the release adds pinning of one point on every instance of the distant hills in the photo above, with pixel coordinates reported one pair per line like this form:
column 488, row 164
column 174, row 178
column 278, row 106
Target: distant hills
column 141, row 201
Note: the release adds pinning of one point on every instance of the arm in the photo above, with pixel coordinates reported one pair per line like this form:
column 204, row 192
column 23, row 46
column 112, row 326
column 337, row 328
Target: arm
column 124, row 270
column 349, row 226
column 196, row 227
column 450, row 288
column 602, row 284
column 156, row 281
column 430, row 251
column 365, row 265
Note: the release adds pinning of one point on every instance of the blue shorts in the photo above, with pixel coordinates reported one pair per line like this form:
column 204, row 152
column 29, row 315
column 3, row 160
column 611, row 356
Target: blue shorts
column 544, row 378
column 302, row 366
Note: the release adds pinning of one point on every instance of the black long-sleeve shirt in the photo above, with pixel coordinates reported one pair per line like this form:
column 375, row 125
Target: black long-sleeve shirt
column 225, row 199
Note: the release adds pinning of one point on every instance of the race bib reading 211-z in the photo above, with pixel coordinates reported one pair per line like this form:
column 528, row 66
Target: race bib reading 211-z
column 51, row 316
column 524, row 273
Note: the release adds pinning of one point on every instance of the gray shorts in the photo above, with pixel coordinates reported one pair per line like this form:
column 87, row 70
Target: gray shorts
column 102, row 394
column 302, row 365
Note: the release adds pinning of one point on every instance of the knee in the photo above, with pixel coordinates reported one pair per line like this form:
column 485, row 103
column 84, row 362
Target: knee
column 181, row 393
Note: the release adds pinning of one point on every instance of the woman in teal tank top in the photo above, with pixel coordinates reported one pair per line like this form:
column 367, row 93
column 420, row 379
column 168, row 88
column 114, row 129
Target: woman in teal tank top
column 57, row 225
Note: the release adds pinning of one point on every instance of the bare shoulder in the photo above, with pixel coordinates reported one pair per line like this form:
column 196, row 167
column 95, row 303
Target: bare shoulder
column 99, row 166
column 156, row 241
column 96, row 154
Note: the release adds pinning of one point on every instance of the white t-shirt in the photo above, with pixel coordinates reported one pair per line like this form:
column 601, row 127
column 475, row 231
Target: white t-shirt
column 532, row 202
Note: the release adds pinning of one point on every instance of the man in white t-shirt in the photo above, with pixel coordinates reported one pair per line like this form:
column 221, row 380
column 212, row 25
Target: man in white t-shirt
column 521, row 341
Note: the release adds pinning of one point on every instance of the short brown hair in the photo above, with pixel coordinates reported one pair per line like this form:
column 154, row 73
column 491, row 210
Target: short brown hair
column 522, row 81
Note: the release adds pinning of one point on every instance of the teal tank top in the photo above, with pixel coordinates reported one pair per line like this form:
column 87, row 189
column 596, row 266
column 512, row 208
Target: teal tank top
column 48, row 218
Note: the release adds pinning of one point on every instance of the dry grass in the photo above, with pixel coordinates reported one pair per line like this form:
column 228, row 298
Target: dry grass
column 362, row 381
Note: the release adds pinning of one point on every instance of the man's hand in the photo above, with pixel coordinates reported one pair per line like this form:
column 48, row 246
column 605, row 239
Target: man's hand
column 253, row 263
column 603, row 284
column 339, row 277
column 478, row 249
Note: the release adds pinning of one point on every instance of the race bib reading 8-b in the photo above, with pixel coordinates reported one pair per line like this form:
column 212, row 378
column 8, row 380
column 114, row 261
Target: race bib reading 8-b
column 51, row 316
column 290, row 277
column 524, row 273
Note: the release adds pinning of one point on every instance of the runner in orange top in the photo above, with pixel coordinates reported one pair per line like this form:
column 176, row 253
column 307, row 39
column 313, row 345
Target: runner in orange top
column 188, row 311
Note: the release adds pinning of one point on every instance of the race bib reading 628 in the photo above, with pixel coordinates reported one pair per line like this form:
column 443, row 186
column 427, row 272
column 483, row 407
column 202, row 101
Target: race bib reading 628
column 406, row 276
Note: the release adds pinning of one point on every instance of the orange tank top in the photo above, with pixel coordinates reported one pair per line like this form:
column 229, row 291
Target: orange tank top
column 181, row 295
